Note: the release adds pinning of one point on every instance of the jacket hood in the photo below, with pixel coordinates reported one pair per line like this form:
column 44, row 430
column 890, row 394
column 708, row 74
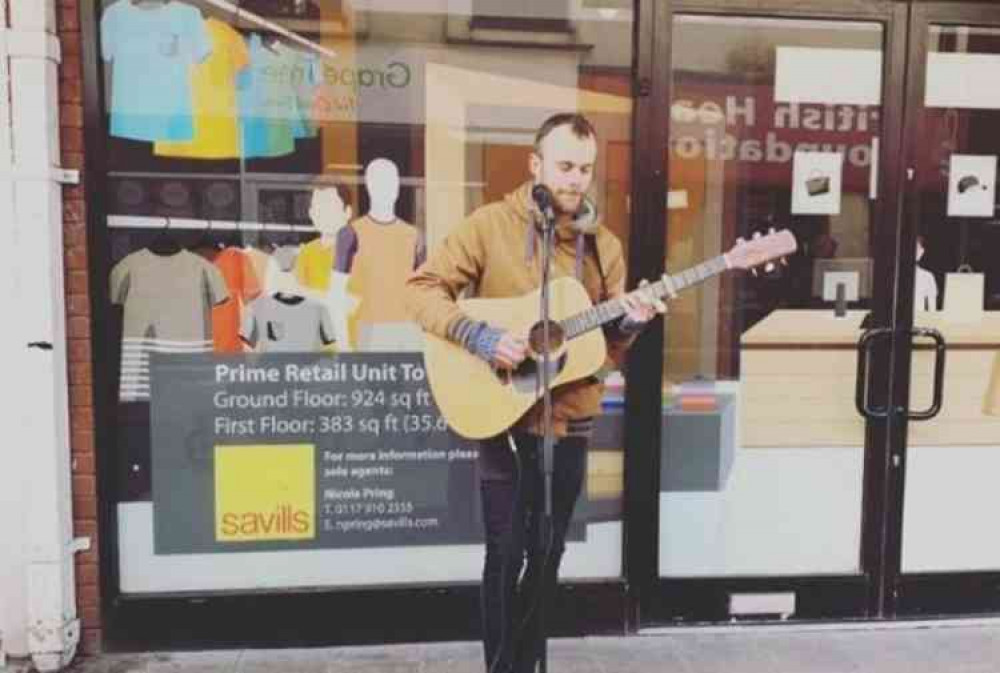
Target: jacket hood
column 526, row 210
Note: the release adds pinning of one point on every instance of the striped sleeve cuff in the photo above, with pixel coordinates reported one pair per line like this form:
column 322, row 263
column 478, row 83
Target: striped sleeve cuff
column 477, row 337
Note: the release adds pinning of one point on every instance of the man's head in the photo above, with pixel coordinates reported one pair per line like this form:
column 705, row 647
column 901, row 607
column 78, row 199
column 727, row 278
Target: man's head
column 564, row 159
column 330, row 207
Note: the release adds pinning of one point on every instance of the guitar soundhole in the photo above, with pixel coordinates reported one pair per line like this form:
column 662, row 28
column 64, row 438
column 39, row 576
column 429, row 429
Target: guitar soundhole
column 536, row 338
column 526, row 378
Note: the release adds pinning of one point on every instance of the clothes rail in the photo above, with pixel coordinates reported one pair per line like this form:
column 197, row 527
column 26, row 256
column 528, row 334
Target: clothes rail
column 240, row 13
column 177, row 223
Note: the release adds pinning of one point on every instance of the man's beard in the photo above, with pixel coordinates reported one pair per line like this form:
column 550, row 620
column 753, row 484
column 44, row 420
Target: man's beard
column 561, row 208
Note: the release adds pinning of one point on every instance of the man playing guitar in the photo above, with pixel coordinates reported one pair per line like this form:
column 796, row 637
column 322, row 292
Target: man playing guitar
column 497, row 251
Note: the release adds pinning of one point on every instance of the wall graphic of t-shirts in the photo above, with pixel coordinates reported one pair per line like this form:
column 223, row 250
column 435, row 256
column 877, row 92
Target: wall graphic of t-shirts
column 152, row 50
column 241, row 280
column 216, row 114
column 287, row 324
column 281, row 270
column 261, row 261
column 314, row 265
column 385, row 257
column 269, row 93
column 167, row 302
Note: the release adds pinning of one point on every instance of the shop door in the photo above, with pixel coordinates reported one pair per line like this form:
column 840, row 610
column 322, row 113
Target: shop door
column 947, row 554
column 771, row 482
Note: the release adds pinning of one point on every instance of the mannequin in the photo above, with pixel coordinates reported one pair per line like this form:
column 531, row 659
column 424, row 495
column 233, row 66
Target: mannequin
column 925, row 290
column 382, row 183
column 381, row 251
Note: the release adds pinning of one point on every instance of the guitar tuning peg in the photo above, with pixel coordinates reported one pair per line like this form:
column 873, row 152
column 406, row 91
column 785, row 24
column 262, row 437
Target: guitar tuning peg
column 769, row 267
column 740, row 240
column 784, row 261
column 756, row 235
column 754, row 272
column 770, row 230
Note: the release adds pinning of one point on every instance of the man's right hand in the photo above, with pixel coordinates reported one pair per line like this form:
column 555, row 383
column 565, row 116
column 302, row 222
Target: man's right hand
column 511, row 351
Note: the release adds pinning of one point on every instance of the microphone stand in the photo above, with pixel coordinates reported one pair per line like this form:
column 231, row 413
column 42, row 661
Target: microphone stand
column 547, row 455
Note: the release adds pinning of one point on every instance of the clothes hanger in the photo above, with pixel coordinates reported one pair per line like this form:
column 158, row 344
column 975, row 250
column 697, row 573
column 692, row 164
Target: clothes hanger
column 239, row 13
column 233, row 238
column 222, row 239
column 164, row 244
column 263, row 242
column 205, row 240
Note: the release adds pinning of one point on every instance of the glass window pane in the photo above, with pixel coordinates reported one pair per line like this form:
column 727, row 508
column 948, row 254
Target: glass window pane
column 273, row 178
column 764, row 450
column 958, row 293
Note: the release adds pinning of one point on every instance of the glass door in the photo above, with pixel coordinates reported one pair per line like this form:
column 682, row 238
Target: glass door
column 949, row 558
column 763, row 472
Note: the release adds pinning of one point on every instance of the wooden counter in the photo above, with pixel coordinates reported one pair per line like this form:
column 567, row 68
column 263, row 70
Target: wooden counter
column 798, row 373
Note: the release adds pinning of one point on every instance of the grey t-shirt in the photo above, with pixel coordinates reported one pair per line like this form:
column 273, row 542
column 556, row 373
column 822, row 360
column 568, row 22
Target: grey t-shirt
column 167, row 297
column 287, row 323
column 168, row 302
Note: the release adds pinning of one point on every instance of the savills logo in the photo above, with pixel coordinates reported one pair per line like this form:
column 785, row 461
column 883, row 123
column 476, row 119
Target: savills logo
column 265, row 492
column 285, row 519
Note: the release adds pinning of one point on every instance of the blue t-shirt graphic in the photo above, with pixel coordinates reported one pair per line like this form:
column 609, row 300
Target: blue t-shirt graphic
column 152, row 51
column 271, row 92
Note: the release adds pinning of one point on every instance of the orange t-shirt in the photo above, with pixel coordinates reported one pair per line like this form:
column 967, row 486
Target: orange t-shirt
column 238, row 271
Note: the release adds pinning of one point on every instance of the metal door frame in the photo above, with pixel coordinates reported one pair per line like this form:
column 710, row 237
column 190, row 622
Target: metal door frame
column 923, row 594
column 659, row 601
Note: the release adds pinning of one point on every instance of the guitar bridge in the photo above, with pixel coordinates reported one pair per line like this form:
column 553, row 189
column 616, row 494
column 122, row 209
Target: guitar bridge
column 526, row 378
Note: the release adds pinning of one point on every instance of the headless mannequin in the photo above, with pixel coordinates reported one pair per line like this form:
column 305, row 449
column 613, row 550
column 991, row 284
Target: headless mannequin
column 382, row 182
column 387, row 252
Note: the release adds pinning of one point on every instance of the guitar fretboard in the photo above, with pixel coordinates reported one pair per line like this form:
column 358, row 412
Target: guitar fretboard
column 610, row 310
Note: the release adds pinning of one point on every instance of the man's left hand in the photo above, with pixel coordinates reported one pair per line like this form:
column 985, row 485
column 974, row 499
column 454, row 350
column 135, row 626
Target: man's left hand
column 643, row 305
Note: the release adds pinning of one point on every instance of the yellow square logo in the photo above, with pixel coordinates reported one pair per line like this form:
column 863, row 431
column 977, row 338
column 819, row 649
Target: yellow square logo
column 265, row 492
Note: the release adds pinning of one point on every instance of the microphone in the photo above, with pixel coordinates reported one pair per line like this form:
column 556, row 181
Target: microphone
column 543, row 199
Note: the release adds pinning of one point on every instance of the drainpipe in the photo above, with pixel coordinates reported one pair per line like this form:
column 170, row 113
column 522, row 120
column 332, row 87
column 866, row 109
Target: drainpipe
column 40, row 621
column 11, row 583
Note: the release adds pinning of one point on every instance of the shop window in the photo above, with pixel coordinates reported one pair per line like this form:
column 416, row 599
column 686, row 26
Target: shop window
column 273, row 177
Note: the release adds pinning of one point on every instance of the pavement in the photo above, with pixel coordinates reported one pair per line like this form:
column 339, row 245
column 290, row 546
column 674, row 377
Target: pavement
column 927, row 647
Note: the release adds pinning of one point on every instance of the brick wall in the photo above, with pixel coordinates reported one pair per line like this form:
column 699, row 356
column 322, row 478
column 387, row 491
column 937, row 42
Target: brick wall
column 78, row 327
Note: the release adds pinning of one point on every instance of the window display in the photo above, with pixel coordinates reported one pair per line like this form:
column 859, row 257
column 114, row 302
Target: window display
column 274, row 176
column 152, row 50
column 167, row 294
column 213, row 83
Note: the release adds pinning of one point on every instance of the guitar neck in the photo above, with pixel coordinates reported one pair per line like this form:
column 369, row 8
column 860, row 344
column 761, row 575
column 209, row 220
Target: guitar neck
column 611, row 310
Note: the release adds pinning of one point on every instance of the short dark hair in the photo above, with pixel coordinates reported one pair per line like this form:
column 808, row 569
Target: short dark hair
column 343, row 191
column 578, row 124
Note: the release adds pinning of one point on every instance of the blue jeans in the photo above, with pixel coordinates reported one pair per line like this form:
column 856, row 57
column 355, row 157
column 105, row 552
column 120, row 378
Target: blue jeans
column 513, row 496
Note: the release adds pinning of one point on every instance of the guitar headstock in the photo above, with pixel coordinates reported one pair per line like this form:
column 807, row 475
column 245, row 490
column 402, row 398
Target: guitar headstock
column 765, row 249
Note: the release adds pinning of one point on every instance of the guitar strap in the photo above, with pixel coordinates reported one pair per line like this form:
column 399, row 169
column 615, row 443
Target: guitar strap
column 590, row 240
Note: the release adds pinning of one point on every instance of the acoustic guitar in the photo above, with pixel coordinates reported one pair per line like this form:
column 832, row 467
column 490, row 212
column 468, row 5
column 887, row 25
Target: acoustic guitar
column 478, row 400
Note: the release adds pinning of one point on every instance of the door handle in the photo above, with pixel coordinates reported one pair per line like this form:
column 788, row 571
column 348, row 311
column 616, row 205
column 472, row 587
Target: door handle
column 939, row 352
column 865, row 344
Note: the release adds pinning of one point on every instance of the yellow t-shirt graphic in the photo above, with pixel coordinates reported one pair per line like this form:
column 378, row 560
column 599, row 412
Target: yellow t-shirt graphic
column 213, row 85
column 314, row 265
